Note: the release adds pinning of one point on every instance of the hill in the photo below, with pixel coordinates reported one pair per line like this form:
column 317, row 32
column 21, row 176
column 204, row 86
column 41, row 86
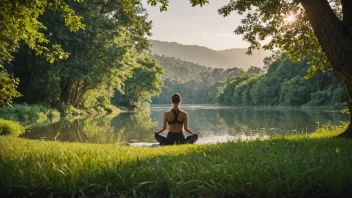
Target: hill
column 211, row 58
column 197, row 84
column 176, row 69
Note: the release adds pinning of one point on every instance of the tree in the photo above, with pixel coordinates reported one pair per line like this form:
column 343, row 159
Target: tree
column 8, row 87
column 19, row 22
column 255, row 70
column 145, row 81
column 101, row 57
column 294, row 92
column 322, row 28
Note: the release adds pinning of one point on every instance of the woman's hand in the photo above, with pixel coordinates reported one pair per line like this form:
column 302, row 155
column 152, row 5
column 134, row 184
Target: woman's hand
column 197, row 133
column 155, row 132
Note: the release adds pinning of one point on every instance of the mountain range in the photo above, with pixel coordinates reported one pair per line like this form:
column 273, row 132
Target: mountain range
column 211, row 58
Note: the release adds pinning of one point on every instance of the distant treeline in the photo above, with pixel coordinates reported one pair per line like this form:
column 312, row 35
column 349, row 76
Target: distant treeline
column 197, row 84
column 283, row 83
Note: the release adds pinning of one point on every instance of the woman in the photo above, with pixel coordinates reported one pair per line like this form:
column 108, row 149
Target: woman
column 176, row 120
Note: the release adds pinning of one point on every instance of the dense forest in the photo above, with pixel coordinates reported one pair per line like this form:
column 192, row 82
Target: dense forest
column 284, row 83
column 106, row 55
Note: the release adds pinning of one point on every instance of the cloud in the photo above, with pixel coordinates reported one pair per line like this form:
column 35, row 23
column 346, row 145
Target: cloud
column 204, row 34
column 222, row 34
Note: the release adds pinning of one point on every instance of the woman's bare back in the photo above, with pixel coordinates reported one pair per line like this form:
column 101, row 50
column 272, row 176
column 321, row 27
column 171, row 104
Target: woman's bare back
column 170, row 117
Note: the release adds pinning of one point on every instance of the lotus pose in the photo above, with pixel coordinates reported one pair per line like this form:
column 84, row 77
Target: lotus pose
column 176, row 120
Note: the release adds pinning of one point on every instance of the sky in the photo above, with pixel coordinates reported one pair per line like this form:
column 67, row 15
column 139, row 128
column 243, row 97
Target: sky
column 189, row 25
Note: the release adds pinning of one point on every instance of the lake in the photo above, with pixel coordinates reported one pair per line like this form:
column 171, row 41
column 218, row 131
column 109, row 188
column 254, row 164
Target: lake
column 216, row 124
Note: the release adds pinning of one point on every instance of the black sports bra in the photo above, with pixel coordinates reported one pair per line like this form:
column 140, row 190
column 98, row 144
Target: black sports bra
column 175, row 121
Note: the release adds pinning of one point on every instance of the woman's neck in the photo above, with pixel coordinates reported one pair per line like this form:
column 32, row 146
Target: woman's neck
column 175, row 106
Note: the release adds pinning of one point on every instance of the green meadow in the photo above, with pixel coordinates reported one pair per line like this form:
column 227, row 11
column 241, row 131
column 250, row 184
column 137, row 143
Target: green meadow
column 312, row 165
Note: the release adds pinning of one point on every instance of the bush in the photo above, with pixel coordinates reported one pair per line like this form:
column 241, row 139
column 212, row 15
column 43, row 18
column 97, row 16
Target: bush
column 68, row 110
column 53, row 114
column 11, row 128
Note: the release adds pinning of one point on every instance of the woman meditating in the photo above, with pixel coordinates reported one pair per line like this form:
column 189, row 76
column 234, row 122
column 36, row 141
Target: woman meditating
column 176, row 120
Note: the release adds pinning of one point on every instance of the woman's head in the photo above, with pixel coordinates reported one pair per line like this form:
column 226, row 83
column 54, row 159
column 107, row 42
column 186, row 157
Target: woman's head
column 176, row 98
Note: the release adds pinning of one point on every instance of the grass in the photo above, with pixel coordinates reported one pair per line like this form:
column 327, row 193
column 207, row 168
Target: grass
column 11, row 128
column 322, row 131
column 295, row 166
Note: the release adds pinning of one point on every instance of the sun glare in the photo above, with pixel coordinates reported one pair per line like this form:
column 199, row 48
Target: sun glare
column 290, row 18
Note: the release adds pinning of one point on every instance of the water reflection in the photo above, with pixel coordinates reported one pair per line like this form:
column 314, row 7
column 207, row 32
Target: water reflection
column 215, row 122
column 99, row 129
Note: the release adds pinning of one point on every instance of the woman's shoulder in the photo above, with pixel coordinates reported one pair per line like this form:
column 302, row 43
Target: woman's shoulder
column 183, row 112
column 167, row 112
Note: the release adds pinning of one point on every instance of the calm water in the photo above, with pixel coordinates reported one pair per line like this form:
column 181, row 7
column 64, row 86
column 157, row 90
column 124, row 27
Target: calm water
column 216, row 123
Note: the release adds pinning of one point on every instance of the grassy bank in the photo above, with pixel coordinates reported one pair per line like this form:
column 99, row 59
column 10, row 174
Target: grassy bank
column 44, row 114
column 29, row 114
column 309, row 165
column 11, row 128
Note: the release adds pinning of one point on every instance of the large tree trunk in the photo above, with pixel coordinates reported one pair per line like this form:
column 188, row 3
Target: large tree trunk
column 335, row 37
column 66, row 85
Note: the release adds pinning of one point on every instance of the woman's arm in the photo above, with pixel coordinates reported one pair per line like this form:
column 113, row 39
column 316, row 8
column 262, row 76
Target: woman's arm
column 186, row 126
column 164, row 126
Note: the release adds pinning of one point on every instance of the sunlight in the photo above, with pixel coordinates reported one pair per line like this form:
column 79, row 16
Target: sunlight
column 290, row 18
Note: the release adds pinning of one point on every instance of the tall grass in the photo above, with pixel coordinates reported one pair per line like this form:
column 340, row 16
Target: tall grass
column 322, row 131
column 280, row 167
column 11, row 128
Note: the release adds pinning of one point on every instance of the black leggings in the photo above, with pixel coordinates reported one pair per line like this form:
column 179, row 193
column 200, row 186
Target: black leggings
column 176, row 138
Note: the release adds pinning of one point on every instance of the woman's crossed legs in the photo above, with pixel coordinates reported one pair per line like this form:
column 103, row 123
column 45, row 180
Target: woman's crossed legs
column 176, row 138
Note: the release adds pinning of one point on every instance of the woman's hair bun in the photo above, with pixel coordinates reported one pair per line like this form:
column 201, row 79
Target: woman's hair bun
column 176, row 98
